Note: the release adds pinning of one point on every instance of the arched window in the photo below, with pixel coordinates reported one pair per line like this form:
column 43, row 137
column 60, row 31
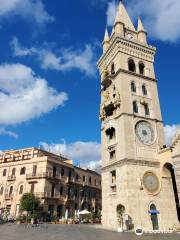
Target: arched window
column 141, row 68
column 22, row 171
column 154, row 217
column 135, row 107
column 112, row 69
column 131, row 65
column 144, row 90
column 10, row 190
column 111, row 133
column 21, row 189
column 133, row 87
column 4, row 172
column 146, row 109
column 1, row 190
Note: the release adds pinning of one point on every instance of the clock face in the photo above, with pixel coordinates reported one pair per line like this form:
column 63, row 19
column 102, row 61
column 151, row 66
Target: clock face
column 129, row 36
column 151, row 182
column 145, row 133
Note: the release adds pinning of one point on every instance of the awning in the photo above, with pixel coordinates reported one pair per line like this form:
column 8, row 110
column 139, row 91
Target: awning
column 153, row 211
column 84, row 212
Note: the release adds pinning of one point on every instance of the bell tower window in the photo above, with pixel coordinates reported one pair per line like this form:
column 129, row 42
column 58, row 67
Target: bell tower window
column 112, row 69
column 112, row 154
column 135, row 107
column 133, row 87
column 131, row 65
column 144, row 90
column 141, row 68
column 146, row 109
column 111, row 133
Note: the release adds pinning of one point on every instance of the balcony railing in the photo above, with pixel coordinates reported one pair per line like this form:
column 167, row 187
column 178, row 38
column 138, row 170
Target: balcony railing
column 45, row 195
column 46, row 175
column 8, row 197
column 11, row 178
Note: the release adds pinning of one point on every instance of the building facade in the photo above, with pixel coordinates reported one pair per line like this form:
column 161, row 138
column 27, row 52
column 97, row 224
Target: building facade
column 137, row 168
column 61, row 188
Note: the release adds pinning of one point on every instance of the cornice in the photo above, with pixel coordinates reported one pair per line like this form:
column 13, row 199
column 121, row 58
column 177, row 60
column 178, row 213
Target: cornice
column 119, row 44
column 133, row 74
column 134, row 116
column 127, row 161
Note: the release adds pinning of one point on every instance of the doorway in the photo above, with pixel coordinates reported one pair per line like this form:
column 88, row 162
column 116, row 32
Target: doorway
column 154, row 217
column 59, row 211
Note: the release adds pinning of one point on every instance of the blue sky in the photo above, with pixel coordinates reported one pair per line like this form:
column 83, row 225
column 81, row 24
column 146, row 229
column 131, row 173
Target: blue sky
column 49, row 84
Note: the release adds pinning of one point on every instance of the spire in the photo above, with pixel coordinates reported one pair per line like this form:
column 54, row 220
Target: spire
column 123, row 17
column 142, row 34
column 106, row 41
column 140, row 27
column 106, row 36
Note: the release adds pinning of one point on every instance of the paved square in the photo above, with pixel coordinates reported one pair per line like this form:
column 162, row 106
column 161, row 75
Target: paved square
column 74, row 232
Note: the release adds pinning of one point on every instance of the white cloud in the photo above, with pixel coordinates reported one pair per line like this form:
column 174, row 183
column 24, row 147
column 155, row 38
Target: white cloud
column 170, row 131
column 161, row 18
column 87, row 154
column 3, row 131
column 68, row 59
column 20, row 51
column 111, row 12
column 26, row 9
column 24, row 96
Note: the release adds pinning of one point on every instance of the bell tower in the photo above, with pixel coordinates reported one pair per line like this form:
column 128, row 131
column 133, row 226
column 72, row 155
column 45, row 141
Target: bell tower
column 132, row 130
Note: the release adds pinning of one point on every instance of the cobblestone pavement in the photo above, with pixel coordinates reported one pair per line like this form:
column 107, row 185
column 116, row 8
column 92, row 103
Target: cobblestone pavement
column 72, row 232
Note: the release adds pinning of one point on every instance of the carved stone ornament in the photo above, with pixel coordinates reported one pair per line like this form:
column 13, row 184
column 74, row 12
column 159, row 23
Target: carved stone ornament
column 111, row 98
column 105, row 73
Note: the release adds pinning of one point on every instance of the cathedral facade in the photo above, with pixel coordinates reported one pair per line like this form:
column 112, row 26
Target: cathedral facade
column 140, row 175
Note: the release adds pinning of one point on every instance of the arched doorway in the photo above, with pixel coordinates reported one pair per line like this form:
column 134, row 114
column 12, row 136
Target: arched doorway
column 154, row 217
column 168, row 172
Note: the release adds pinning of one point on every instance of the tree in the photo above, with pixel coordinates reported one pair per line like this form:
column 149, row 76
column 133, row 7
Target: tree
column 28, row 203
column 120, row 211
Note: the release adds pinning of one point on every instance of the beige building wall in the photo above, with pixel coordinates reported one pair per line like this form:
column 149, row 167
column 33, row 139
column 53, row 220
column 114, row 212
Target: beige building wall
column 62, row 188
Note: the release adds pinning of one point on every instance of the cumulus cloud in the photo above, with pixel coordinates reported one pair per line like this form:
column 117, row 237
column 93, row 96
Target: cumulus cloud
column 24, row 95
column 111, row 12
column 161, row 18
column 30, row 10
column 170, row 131
column 87, row 154
column 3, row 131
column 67, row 60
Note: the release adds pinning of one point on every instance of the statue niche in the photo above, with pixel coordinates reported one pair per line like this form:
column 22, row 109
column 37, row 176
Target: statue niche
column 110, row 103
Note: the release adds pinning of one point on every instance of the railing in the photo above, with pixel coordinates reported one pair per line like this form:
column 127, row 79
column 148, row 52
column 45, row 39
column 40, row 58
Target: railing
column 70, row 198
column 45, row 175
column 71, row 180
column 8, row 197
column 11, row 178
column 49, row 195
